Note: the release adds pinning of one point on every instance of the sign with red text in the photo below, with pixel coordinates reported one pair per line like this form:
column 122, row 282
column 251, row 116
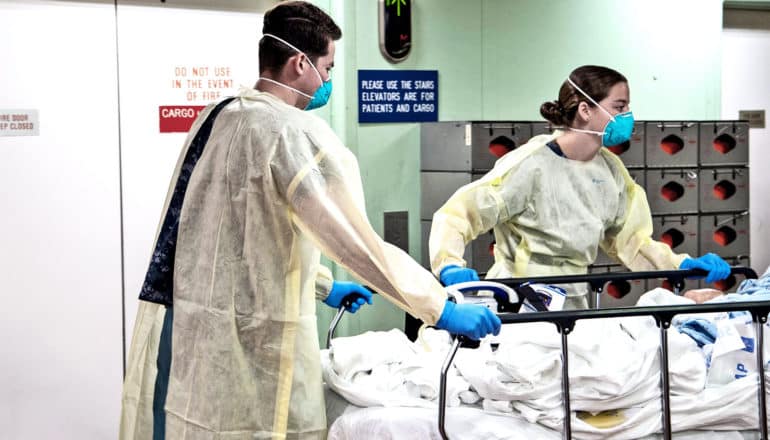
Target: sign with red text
column 193, row 84
column 19, row 123
column 202, row 83
column 178, row 118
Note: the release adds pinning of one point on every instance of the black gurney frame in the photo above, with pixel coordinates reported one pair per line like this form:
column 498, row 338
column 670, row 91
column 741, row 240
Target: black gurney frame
column 565, row 323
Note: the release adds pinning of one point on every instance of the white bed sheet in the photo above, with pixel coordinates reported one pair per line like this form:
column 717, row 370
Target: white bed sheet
column 729, row 408
column 393, row 421
column 400, row 423
column 465, row 423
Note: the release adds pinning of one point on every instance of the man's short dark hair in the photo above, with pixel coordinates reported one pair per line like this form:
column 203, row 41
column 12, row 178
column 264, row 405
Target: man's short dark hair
column 302, row 24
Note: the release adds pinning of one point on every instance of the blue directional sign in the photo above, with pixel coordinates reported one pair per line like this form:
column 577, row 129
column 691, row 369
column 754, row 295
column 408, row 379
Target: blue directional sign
column 397, row 95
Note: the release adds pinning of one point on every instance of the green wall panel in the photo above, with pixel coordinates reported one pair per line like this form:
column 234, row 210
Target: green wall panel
column 669, row 51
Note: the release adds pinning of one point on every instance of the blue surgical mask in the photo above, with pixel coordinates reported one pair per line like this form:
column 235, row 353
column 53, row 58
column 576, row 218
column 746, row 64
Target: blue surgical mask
column 618, row 129
column 321, row 95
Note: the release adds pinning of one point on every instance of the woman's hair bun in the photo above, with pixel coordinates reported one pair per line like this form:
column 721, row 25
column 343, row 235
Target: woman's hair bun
column 553, row 112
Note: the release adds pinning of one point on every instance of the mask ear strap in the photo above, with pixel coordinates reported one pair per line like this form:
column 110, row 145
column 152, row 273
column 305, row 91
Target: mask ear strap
column 598, row 133
column 262, row 78
column 589, row 98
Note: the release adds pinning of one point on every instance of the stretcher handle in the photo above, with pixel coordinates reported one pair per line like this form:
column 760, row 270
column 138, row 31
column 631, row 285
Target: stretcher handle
column 442, row 388
column 599, row 279
column 344, row 304
column 734, row 270
column 502, row 294
column 466, row 342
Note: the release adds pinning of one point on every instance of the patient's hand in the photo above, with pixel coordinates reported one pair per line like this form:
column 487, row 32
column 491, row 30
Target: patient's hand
column 700, row 296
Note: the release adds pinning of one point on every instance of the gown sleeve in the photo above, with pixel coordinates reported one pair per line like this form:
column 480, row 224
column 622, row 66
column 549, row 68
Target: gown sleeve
column 319, row 178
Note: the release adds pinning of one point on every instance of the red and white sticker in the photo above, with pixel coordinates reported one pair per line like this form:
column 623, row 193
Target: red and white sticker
column 177, row 118
column 19, row 123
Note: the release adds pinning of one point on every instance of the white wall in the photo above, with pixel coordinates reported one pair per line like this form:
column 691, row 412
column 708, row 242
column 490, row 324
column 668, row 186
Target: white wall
column 745, row 86
column 60, row 320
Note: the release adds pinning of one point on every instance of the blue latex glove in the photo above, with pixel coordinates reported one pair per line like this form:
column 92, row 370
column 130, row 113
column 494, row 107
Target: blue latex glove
column 341, row 289
column 455, row 274
column 717, row 268
column 471, row 320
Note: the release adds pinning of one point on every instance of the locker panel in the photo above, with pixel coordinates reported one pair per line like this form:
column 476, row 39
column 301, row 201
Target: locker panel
column 436, row 188
column 724, row 143
column 445, row 146
column 680, row 232
column 724, row 189
column 672, row 191
column 671, row 144
column 491, row 140
column 725, row 234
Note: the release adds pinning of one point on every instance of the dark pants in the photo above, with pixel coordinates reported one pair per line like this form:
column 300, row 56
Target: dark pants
column 161, row 381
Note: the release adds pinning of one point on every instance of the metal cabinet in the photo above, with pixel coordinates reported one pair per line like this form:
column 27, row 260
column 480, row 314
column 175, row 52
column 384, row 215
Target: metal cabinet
column 695, row 175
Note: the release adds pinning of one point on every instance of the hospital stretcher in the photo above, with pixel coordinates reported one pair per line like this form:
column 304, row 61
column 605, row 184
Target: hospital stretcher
column 508, row 294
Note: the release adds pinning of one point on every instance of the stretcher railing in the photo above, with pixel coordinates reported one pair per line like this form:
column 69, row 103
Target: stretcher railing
column 508, row 306
column 663, row 315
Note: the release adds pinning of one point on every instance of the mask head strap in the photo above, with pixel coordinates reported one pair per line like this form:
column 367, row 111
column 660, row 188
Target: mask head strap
column 297, row 50
column 284, row 42
column 589, row 98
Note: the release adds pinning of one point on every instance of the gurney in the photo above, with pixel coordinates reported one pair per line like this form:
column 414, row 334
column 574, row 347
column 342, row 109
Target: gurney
column 565, row 323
